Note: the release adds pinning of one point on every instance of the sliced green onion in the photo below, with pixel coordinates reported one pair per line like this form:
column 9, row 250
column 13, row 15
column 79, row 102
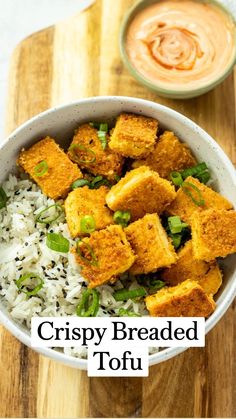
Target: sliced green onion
column 44, row 216
column 176, row 225
column 122, row 217
column 87, row 224
column 41, row 168
column 176, row 240
column 99, row 181
column 82, row 148
column 124, row 294
column 103, row 127
column 187, row 186
column 3, row 198
column 156, row 284
column 29, row 277
column 93, row 261
column 57, row 242
column 195, row 170
column 103, row 139
column 176, row 178
column 127, row 313
column 204, row 177
column 79, row 183
column 89, row 304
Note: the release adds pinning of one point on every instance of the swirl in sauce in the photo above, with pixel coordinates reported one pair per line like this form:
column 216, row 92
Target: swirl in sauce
column 181, row 44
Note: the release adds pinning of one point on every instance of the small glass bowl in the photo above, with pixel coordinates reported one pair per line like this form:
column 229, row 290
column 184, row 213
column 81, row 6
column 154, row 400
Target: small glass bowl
column 170, row 93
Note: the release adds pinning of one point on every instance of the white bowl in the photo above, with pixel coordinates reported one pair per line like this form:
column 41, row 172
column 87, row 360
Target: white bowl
column 60, row 123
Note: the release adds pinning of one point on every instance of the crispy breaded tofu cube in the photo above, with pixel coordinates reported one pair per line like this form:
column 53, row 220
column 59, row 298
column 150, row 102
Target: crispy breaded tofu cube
column 212, row 281
column 187, row 299
column 85, row 201
column 207, row 274
column 91, row 155
column 60, row 171
column 141, row 191
column 151, row 245
column 213, row 234
column 112, row 255
column 184, row 207
column 169, row 154
column 186, row 267
column 134, row 135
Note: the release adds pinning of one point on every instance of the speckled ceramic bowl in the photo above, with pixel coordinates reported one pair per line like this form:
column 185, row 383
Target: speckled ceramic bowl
column 60, row 123
column 171, row 93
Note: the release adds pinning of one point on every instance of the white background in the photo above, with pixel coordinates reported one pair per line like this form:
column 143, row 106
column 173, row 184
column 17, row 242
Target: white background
column 20, row 18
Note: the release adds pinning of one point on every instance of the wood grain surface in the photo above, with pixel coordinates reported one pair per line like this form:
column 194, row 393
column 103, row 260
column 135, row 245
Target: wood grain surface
column 80, row 58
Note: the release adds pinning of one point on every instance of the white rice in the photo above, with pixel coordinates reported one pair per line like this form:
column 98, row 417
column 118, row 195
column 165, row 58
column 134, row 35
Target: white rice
column 23, row 249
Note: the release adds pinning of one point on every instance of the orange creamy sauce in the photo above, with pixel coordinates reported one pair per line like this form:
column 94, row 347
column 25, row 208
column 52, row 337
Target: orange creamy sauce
column 181, row 44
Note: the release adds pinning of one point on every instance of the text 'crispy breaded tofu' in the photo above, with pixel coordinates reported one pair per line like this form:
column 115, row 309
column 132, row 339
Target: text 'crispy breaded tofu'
column 60, row 173
column 134, row 135
column 150, row 244
column 184, row 207
column 207, row 274
column 187, row 299
column 213, row 234
column 169, row 154
column 85, row 201
column 91, row 155
column 141, row 191
column 112, row 253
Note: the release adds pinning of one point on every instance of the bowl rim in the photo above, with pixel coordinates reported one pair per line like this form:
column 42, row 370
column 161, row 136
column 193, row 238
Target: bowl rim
column 173, row 93
column 12, row 326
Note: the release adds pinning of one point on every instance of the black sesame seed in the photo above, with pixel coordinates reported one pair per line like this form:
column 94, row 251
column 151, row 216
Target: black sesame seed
column 57, row 304
column 16, row 259
column 20, row 269
column 41, row 234
column 67, row 283
column 64, row 293
column 26, row 244
column 58, row 269
column 17, row 193
column 7, row 229
column 63, row 276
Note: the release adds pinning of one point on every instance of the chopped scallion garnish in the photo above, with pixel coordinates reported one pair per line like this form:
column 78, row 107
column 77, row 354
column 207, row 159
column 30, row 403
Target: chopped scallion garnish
column 124, row 294
column 57, row 242
column 176, row 225
column 156, row 284
column 3, row 198
column 99, row 181
column 176, row 178
column 79, row 183
column 92, row 260
column 49, row 214
column 89, row 304
column 26, row 284
column 41, row 168
column 122, row 218
column 127, row 313
column 84, row 151
column 87, row 224
column 200, row 171
column 189, row 188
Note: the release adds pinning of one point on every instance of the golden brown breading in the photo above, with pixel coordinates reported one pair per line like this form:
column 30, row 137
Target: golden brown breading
column 61, row 172
column 150, row 243
column 107, row 163
column 134, row 135
column 207, row 274
column 185, row 300
column 141, row 191
column 169, row 154
column 85, row 201
column 186, row 267
column 184, row 207
column 213, row 234
column 113, row 255
column 212, row 281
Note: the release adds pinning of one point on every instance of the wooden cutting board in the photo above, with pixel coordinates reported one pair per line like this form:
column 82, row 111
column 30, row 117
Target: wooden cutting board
column 80, row 58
